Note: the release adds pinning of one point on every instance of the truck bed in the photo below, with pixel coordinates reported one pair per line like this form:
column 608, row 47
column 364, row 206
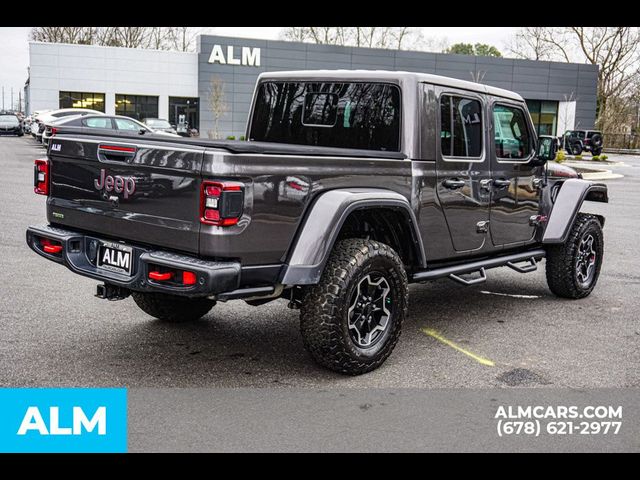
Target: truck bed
column 267, row 148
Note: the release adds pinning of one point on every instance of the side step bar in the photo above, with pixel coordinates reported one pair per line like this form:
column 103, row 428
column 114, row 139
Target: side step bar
column 480, row 266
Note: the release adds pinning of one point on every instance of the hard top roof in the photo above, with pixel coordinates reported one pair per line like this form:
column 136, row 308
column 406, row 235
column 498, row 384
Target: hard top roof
column 388, row 75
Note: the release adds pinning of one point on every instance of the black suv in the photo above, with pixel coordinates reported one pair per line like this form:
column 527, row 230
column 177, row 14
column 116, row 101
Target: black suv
column 577, row 141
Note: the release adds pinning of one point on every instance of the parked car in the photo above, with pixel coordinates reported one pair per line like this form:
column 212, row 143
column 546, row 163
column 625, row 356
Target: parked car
column 43, row 118
column 52, row 123
column 577, row 141
column 10, row 125
column 159, row 125
column 362, row 194
column 104, row 124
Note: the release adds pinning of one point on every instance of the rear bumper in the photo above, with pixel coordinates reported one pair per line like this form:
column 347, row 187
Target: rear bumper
column 79, row 254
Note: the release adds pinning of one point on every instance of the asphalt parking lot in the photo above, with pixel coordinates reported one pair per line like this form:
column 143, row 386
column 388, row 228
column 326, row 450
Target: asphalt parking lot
column 54, row 332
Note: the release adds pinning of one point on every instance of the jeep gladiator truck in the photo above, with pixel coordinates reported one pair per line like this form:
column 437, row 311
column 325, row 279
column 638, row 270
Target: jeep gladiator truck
column 352, row 185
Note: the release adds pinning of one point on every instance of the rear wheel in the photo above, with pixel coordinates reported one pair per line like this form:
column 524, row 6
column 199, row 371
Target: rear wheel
column 573, row 267
column 172, row 308
column 575, row 149
column 351, row 320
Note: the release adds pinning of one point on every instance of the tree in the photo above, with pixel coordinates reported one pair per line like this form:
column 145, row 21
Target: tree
column 371, row 37
column 182, row 39
column 76, row 35
column 461, row 49
column 217, row 104
column 479, row 49
column 616, row 51
column 128, row 37
column 529, row 43
column 159, row 38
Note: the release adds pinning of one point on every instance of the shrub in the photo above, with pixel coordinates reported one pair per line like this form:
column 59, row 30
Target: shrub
column 604, row 157
column 596, row 158
column 231, row 137
column 242, row 138
column 560, row 156
column 578, row 157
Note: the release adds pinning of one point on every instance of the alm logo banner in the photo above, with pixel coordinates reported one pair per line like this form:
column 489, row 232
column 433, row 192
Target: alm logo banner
column 63, row 420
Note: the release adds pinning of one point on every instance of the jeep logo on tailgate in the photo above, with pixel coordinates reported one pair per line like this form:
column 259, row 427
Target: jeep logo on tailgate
column 118, row 184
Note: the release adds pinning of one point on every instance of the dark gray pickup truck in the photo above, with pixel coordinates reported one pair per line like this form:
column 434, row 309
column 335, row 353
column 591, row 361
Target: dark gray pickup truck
column 352, row 185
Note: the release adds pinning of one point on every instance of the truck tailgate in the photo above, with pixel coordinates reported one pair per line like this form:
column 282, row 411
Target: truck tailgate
column 127, row 189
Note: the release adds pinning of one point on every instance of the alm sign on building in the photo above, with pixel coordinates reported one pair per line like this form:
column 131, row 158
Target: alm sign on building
column 249, row 56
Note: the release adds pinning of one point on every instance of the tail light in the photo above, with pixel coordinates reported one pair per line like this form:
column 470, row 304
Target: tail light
column 221, row 203
column 41, row 171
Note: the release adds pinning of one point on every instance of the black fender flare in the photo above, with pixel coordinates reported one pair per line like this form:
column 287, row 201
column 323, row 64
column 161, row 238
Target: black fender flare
column 322, row 224
column 572, row 194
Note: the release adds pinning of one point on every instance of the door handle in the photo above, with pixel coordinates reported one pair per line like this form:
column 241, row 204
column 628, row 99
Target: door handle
column 486, row 184
column 501, row 183
column 453, row 183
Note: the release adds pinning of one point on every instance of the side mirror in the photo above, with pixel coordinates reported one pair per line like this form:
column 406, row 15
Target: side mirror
column 547, row 148
column 142, row 131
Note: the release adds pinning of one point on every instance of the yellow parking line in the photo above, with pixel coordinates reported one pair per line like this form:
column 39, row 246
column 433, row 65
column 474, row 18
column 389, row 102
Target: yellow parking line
column 432, row 333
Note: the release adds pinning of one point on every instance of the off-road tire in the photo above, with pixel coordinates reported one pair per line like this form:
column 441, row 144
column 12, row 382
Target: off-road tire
column 596, row 141
column 561, row 260
column 324, row 313
column 172, row 308
column 596, row 152
column 575, row 148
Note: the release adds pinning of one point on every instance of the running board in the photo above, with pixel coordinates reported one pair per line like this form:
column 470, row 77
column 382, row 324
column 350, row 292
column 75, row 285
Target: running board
column 454, row 272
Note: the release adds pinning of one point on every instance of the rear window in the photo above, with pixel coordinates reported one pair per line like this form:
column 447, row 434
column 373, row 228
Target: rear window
column 345, row 115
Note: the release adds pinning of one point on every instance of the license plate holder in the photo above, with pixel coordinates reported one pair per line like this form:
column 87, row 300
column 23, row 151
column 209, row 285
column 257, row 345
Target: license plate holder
column 115, row 257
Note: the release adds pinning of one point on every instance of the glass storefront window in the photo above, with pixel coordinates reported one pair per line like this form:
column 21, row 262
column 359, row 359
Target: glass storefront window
column 184, row 112
column 93, row 101
column 544, row 114
column 137, row 106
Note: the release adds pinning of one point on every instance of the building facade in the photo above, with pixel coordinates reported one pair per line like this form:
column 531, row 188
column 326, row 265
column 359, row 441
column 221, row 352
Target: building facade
column 212, row 89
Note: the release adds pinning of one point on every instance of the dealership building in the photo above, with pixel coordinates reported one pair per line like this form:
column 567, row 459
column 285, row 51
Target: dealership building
column 177, row 86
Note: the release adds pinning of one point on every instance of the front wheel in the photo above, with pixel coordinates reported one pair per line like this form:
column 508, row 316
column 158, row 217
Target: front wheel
column 351, row 320
column 172, row 308
column 573, row 267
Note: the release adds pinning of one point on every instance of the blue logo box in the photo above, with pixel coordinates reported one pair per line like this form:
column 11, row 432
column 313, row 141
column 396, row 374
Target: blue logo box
column 63, row 420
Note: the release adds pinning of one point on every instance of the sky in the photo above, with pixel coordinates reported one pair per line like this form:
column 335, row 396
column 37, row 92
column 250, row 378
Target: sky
column 14, row 46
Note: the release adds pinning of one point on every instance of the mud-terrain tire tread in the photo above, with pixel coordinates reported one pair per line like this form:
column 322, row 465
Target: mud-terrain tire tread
column 560, row 268
column 324, row 303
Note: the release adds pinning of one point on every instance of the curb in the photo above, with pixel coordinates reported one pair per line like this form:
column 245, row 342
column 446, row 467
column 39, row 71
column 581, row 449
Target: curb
column 601, row 175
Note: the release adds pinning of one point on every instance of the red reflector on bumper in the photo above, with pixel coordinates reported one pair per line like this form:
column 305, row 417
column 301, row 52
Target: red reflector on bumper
column 189, row 278
column 161, row 277
column 50, row 246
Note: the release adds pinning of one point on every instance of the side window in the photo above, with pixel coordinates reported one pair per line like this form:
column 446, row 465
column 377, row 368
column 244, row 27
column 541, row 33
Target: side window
column 461, row 127
column 512, row 137
column 97, row 123
column 123, row 124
